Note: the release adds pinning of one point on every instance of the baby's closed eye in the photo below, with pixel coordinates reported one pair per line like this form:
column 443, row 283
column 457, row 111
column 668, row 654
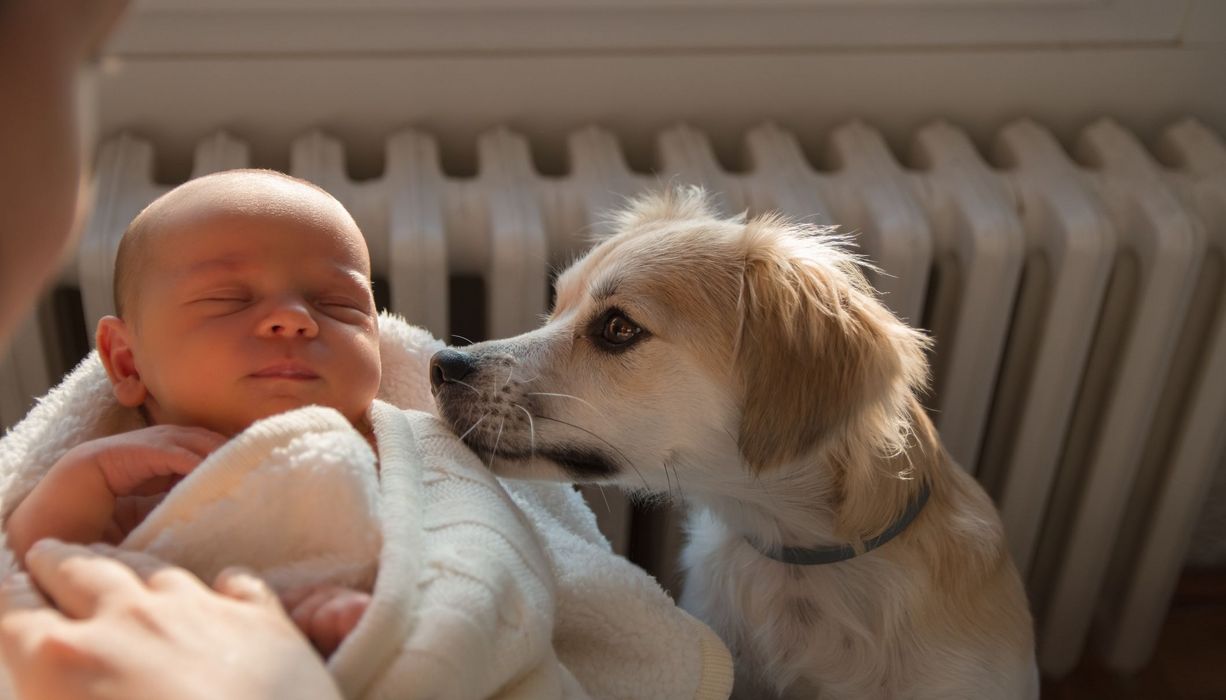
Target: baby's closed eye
column 221, row 301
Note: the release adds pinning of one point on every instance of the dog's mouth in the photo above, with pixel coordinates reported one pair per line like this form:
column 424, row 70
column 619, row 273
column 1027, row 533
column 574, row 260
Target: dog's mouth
column 484, row 394
column 502, row 434
column 578, row 462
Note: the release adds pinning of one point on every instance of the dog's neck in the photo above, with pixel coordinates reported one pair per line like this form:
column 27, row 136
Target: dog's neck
column 793, row 505
column 835, row 495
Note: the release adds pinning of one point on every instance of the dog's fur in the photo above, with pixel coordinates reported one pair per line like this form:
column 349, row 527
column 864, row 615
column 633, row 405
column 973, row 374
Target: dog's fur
column 774, row 393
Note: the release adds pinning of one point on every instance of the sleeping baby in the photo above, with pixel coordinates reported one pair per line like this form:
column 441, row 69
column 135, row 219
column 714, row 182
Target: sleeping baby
column 239, row 296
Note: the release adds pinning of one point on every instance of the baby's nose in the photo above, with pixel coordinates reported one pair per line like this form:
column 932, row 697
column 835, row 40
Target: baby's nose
column 290, row 320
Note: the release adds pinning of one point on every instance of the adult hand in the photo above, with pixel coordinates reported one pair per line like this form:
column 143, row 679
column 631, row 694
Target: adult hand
column 84, row 497
column 129, row 627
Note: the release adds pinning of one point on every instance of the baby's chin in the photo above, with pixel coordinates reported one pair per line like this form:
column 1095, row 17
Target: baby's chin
column 359, row 419
column 239, row 415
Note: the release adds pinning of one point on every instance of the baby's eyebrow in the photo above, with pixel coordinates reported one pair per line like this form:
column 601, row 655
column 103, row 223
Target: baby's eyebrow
column 353, row 277
column 203, row 273
column 215, row 266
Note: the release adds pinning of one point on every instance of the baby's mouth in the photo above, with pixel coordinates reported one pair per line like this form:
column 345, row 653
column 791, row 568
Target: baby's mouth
column 286, row 370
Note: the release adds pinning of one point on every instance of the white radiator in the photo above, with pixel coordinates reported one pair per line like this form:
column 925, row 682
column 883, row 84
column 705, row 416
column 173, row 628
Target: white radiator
column 1077, row 304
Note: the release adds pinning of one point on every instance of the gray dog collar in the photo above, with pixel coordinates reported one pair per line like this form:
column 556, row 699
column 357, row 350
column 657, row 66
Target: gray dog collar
column 811, row 556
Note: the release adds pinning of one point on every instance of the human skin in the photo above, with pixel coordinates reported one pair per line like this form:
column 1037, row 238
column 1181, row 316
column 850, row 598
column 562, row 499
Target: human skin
column 43, row 47
column 254, row 299
column 128, row 627
column 80, row 498
column 327, row 614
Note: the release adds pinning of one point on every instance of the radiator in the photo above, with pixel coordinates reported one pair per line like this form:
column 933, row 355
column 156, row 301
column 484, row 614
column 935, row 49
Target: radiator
column 1076, row 298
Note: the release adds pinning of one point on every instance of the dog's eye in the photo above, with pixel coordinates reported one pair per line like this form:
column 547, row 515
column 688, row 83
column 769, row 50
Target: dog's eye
column 619, row 330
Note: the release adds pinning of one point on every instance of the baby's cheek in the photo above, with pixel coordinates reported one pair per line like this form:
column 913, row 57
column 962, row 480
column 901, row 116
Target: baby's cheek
column 361, row 385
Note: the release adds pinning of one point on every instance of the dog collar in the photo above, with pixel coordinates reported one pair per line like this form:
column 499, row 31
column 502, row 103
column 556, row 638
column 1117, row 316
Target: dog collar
column 811, row 556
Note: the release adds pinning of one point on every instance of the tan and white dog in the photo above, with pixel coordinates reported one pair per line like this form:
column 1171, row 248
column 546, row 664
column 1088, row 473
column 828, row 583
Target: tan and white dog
column 747, row 367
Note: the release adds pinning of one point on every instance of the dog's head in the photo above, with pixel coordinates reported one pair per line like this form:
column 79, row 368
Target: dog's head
column 688, row 339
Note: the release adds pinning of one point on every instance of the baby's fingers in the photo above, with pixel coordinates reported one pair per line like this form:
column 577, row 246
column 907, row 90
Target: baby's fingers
column 200, row 441
column 131, row 511
column 342, row 614
column 302, row 611
column 128, row 469
column 329, row 616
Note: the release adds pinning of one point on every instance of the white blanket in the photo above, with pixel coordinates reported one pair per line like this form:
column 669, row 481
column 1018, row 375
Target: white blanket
column 481, row 588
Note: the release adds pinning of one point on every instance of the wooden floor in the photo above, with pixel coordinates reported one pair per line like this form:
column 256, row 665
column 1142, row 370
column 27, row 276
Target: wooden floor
column 1189, row 664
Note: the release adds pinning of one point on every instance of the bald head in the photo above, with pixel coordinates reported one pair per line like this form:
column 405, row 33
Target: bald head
column 217, row 197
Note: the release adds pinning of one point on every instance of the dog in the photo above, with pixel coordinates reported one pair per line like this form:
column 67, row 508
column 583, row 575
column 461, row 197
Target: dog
column 747, row 367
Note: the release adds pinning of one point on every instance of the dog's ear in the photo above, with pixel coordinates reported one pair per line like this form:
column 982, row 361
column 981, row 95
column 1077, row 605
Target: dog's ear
column 816, row 348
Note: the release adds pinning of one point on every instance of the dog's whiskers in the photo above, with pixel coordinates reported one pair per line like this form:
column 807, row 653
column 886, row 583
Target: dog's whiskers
column 531, row 431
column 615, row 448
column 467, row 340
column 474, row 426
column 607, row 507
column 676, row 477
column 566, row 396
column 494, row 452
column 474, row 389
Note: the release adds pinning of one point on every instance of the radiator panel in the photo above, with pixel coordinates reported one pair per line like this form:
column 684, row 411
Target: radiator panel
column 1176, row 478
column 1069, row 246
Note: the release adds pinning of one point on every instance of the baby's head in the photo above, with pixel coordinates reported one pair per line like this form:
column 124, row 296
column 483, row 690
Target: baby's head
column 241, row 295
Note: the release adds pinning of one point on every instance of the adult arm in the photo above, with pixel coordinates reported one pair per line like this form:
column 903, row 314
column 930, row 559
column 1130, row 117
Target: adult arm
column 110, row 624
column 43, row 45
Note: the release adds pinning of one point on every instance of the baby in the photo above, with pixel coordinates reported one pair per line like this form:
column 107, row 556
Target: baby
column 239, row 295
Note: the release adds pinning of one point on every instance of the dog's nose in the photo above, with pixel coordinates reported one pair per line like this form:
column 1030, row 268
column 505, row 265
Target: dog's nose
column 450, row 365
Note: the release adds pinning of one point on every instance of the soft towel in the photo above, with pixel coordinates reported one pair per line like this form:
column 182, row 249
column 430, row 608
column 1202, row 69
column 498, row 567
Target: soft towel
column 481, row 587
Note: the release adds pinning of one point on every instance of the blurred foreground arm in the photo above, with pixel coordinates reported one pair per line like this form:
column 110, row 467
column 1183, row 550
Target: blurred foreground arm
column 43, row 45
column 130, row 627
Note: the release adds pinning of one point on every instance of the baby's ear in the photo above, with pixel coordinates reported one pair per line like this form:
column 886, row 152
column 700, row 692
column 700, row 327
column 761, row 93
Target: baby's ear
column 114, row 341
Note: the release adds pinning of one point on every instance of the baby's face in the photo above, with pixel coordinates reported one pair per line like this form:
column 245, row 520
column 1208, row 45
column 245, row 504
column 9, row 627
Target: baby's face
column 239, row 316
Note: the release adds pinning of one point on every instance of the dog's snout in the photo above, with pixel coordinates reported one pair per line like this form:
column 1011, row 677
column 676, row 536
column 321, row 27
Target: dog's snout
column 450, row 365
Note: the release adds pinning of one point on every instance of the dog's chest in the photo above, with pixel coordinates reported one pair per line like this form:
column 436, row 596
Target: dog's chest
column 794, row 631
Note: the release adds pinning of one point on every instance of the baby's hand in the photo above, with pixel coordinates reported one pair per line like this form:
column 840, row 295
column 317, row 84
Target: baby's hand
column 76, row 500
column 326, row 615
